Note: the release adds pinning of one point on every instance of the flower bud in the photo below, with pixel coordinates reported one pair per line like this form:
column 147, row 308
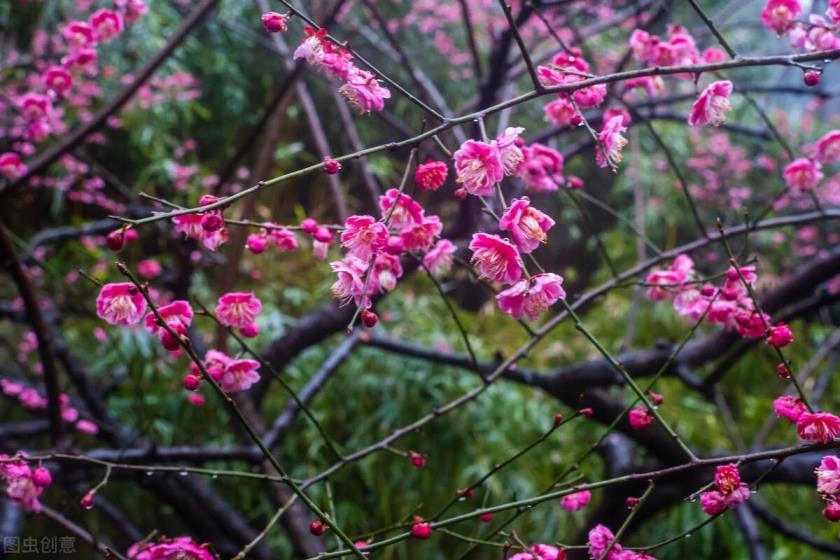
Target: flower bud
column 421, row 531
column 256, row 243
column 115, row 240
column 192, row 382
column 331, row 166
column 369, row 318
column 274, row 22
column 41, row 477
column 811, row 78
column 317, row 528
column 87, row 500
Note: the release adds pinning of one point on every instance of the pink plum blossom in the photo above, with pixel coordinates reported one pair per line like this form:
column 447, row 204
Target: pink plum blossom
column 177, row 313
column 479, row 166
column 600, row 538
column 509, row 148
column 430, row 176
column 439, row 258
column 562, row 112
column 541, row 169
column 576, row 501
column 407, row 212
column 364, row 91
column 180, row 548
column 120, row 304
column 611, row 142
column 789, row 407
column 11, row 166
column 802, row 175
column 237, row 375
column 711, row 107
column 527, row 225
column 640, row 418
column 532, row 296
column 496, row 258
column 827, row 148
column 828, row 475
column 821, row 427
column 350, row 284
column 106, row 24
column 779, row 15
column 421, row 236
column 363, row 236
column 57, row 79
column 238, row 309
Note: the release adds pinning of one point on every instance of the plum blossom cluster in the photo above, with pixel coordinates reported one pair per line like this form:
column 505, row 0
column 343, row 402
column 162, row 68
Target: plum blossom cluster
column 541, row 552
column 677, row 48
column 31, row 399
column 812, row 34
column 731, row 305
column 481, row 166
column 828, row 486
column 499, row 260
column 232, row 374
column 361, row 88
column 722, row 169
column 729, row 491
column 272, row 235
column 206, row 227
column 541, row 169
column 641, row 417
column 820, row 427
column 177, row 316
column 24, row 484
column 804, row 175
column 181, row 548
column 601, row 539
column 373, row 247
column 566, row 69
column 65, row 64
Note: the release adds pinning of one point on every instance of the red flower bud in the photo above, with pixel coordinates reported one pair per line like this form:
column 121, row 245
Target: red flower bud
column 832, row 511
column 256, row 243
column 212, row 221
column 421, row 531
column 558, row 418
column 192, row 382
column 323, row 235
column 317, row 528
column 87, row 500
column 331, row 166
column 486, row 517
column 274, row 22
column 585, row 411
column 309, row 225
column 811, row 78
column 783, row 371
column 250, row 331
column 41, row 477
column 369, row 318
column 115, row 240
column 631, row 501
column 417, row 459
